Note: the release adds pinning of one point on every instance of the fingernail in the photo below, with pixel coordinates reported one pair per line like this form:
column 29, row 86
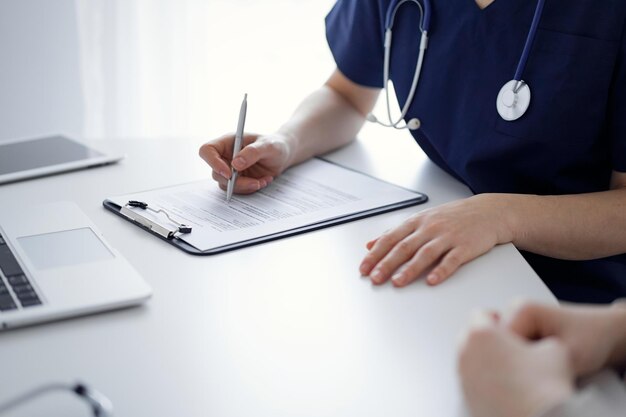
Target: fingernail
column 262, row 184
column 377, row 275
column 222, row 173
column 513, row 307
column 432, row 278
column 480, row 319
column 461, row 337
column 364, row 268
column 397, row 278
column 238, row 162
column 517, row 302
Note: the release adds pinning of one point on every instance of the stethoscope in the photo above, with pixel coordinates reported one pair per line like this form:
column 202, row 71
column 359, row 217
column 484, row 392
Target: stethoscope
column 513, row 99
column 99, row 404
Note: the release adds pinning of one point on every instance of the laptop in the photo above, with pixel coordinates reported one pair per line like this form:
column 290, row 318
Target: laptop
column 22, row 159
column 54, row 264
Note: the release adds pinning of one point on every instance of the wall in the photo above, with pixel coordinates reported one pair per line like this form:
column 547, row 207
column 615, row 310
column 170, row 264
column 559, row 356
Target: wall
column 132, row 68
column 40, row 88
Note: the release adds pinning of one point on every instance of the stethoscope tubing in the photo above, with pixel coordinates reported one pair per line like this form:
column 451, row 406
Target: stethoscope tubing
column 415, row 82
column 517, row 86
column 532, row 34
column 425, row 13
column 396, row 4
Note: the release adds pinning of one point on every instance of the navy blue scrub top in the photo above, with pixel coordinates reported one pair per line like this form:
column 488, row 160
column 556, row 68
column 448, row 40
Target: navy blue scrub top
column 570, row 140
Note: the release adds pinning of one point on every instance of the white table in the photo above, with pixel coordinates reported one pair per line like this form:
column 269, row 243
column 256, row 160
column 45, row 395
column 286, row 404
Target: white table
column 287, row 328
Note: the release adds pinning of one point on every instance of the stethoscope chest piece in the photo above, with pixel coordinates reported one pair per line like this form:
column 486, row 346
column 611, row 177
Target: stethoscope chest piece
column 513, row 100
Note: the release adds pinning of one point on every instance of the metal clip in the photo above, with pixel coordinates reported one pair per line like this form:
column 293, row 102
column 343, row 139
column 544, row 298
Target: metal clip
column 155, row 227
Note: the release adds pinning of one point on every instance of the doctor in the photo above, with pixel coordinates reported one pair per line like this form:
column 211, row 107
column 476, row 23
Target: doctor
column 523, row 101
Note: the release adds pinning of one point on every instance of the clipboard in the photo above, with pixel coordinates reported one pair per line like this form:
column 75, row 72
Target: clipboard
column 172, row 235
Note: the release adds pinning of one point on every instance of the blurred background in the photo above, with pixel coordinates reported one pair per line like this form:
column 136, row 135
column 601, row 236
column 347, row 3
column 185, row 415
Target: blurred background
column 156, row 68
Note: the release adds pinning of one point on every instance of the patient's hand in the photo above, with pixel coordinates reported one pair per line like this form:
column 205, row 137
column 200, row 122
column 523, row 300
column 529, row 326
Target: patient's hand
column 505, row 375
column 595, row 336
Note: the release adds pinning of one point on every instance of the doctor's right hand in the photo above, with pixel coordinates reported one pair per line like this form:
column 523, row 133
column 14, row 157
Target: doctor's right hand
column 261, row 159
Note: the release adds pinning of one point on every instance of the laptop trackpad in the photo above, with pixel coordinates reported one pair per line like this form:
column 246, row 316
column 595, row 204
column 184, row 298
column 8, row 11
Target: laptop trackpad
column 65, row 248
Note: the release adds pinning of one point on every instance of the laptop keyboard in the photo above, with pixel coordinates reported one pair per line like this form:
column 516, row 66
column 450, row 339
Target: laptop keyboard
column 15, row 289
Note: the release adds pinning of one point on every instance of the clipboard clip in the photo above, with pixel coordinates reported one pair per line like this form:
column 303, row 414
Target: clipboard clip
column 155, row 227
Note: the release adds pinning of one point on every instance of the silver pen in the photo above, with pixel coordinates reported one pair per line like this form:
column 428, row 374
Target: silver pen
column 237, row 147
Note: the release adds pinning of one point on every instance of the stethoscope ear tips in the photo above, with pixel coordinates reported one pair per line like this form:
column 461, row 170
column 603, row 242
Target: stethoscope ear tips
column 414, row 124
column 371, row 118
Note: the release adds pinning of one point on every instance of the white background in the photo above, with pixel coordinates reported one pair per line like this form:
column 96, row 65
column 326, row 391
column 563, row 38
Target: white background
column 156, row 68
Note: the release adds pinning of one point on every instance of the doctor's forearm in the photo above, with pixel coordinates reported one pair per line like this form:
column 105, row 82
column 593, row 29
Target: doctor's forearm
column 324, row 121
column 327, row 119
column 574, row 227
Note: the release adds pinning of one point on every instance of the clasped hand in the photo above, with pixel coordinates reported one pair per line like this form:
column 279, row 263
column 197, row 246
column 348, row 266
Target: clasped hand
column 527, row 361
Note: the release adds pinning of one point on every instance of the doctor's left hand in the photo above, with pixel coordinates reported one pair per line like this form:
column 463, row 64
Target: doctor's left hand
column 440, row 239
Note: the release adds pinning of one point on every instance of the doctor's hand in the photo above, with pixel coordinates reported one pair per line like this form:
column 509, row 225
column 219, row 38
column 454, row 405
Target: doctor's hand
column 440, row 239
column 505, row 375
column 261, row 159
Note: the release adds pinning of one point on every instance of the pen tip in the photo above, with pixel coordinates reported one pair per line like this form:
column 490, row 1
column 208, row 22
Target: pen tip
column 245, row 96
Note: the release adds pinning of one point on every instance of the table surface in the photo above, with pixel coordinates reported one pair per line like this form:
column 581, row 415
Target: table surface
column 287, row 328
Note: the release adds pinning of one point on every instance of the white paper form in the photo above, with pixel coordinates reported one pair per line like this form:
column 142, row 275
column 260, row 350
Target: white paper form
column 313, row 192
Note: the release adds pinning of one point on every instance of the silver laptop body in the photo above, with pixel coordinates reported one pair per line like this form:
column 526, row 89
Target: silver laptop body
column 55, row 264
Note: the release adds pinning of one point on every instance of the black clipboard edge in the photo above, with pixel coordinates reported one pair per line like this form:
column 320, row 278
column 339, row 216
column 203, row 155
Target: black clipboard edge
column 192, row 250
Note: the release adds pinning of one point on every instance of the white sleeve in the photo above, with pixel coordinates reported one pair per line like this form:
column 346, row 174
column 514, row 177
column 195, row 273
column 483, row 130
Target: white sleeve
column 603, row 395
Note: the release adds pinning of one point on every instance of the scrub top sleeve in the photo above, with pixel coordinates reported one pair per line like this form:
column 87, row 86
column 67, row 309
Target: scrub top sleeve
column 354, row 30
column 617, row 113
